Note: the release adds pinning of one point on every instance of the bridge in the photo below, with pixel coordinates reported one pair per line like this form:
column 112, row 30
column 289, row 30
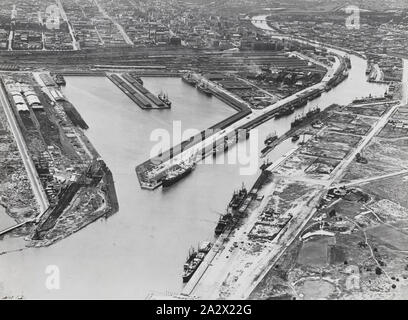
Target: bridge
column 35, row 220
column 8, row 230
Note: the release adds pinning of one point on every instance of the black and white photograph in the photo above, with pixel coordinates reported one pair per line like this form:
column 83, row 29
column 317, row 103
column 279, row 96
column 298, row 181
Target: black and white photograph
column 178, row 151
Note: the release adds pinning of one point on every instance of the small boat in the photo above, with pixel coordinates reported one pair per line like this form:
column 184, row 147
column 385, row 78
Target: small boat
column 188, row 78
column 164, row 98
column 270, row 138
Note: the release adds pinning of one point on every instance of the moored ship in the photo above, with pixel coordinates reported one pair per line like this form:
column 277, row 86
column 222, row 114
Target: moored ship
column 194, row 259
column 301, row 119
column 224, row 222
column 188, row 78
column 204, row 89
column 314, row 94
column 237, row 198
column 270, row 138
column 178, row 173
column 59, row 79
column 265, row 165
column 164, row 98
column 284, row 112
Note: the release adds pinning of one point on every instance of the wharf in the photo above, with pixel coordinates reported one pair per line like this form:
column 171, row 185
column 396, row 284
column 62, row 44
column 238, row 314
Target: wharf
column 150, row 165
column 69, row 73
column 223, row 238
column 139, row 87
column 139, row 95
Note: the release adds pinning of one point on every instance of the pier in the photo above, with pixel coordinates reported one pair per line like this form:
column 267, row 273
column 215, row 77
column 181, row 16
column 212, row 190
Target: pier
column 137, row 93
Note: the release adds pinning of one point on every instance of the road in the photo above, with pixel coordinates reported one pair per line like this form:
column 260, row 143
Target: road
column 339, row 171
column 120, row 28
column 11, row 34
column 75, row 43
column 22, row 147
column 371, row 179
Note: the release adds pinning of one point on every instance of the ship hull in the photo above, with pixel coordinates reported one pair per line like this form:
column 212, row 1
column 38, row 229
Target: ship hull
column 187, row 277
column 205, row 91
column 170, row 181
column 189, row 81
column 269, row 141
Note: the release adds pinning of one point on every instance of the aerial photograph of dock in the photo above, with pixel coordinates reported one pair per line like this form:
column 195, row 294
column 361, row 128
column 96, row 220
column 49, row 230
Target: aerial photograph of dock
column 203, row 150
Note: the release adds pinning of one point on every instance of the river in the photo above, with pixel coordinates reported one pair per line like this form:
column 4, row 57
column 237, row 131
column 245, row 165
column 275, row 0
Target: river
column 142, row 248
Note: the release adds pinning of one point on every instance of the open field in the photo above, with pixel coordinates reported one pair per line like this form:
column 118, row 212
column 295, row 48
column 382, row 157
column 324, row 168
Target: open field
column 354, row 246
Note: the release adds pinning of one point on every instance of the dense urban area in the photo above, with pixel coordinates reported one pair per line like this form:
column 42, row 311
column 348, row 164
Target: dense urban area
column 325, row 219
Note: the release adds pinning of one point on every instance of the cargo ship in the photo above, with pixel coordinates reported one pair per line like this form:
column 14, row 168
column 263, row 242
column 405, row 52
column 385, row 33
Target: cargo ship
column 59, row 79
column 175, row 175
column 300, row 103
column 237, row 198
column 284, row 112
column 369, row 99
column 164, row 98
column 299, row 120
column 224, row 222
column 265, row 165
column 194, row 259
column 188, row 78
column 270, row 138
column 314, row 94
column 204, row 89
